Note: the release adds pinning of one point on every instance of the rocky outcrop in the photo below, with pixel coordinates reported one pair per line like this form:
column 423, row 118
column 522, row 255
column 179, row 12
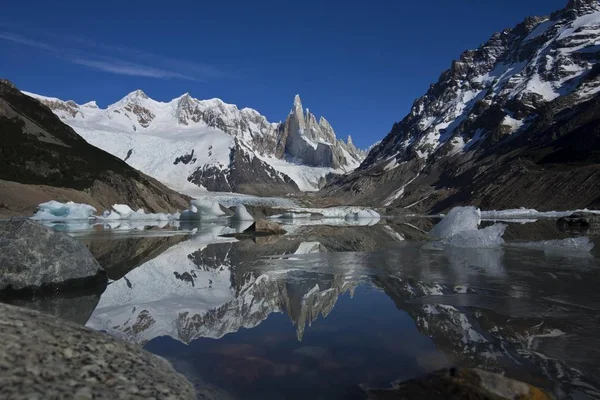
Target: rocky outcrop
column 35, row 258
column 312, row 143
column 512, row 123
column 40, row 151
column 45, row 357
column 246, row 173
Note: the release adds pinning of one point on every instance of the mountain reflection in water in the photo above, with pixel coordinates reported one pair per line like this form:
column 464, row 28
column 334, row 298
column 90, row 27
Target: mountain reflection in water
column 328, row 310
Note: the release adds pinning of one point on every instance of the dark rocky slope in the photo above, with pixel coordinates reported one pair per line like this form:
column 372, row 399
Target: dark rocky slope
column 47, row 156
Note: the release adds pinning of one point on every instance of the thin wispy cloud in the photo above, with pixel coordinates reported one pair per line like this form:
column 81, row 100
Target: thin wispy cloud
column 126, row 68
column 117, row 59
column 22, row 40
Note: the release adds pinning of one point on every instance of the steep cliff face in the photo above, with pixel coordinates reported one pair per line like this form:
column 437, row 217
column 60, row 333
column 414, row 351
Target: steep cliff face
column 315, row 143
column 514, row 113
column 41, row 158
column 213, row 144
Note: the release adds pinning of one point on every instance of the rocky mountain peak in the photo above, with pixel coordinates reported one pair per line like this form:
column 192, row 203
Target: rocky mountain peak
column 7, row 83
column 90, row 104
column 583, row 5
column 138, row 94
column 297, row 102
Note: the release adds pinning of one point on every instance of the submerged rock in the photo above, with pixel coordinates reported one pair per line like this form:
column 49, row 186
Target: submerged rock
column 36, row 258
column 45, row 357
column 461, row 384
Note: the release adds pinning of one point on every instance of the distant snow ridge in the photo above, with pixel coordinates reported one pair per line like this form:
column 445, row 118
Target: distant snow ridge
column 212, row 144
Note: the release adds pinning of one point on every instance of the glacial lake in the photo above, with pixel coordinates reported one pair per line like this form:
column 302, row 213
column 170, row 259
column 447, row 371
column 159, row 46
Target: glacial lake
column 330, row 310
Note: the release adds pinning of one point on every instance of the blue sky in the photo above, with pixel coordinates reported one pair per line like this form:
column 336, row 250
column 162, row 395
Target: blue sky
column 360, row 64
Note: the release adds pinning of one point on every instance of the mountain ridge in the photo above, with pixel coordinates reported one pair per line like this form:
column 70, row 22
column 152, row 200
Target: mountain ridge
column 213, row 144
column 491, row 123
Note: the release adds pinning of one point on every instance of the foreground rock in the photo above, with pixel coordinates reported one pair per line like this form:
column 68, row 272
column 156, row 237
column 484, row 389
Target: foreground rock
column 36, row 258
column 461, row 384
column 45, row 357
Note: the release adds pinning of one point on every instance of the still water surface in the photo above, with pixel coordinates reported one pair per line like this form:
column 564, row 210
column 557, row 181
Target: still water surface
column 326, row 312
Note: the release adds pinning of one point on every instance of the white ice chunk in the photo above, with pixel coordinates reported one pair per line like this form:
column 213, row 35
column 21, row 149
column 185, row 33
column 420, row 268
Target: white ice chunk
column 481, row 239
column 364, row 214
column 241, row 214
column 208, row 208
column 351, row 217
column 291, row 215
column 123, row 210
column 374, row 214
column 459, row 219
column 55, row 210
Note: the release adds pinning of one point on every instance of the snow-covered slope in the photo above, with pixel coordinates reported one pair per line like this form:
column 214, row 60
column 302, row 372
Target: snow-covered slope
column 529, row 87
column 204, row 142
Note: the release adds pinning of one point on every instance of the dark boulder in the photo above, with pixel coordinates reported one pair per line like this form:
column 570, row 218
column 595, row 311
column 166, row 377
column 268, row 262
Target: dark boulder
column 34, row 258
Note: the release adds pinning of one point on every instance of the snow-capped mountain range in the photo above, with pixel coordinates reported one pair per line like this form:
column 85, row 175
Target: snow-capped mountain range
column 529, row 88
column 213, row 144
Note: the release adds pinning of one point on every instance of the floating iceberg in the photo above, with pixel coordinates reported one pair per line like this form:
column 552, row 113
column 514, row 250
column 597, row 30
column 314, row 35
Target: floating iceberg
column 459, row 219
column 363, row 217
column 291, row 215
column 208, row 209
column 374, row 214
column 55, row 210
column 481, row 239
column 124, row 212
column 241, row 214
column 362, row 214
column 460, row 229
